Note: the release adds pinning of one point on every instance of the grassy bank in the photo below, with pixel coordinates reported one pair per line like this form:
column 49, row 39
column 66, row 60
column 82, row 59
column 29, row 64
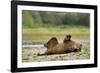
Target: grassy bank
column 58, row 31
column 74, row 30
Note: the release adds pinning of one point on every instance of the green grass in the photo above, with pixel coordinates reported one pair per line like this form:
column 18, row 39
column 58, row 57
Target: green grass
column 42, row 34
column 73, row 30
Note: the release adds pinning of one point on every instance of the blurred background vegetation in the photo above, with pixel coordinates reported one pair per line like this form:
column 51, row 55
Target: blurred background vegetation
column 48, row 24
column 35, row 19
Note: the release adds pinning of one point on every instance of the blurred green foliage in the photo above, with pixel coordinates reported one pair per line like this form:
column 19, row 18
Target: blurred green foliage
column 33, row 19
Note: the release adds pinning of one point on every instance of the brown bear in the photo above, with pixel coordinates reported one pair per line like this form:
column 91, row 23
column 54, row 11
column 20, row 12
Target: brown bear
column 68, row 45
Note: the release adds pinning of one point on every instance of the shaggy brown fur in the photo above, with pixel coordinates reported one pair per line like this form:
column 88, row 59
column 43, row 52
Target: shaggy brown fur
column 51, row 43
column 68, row 45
